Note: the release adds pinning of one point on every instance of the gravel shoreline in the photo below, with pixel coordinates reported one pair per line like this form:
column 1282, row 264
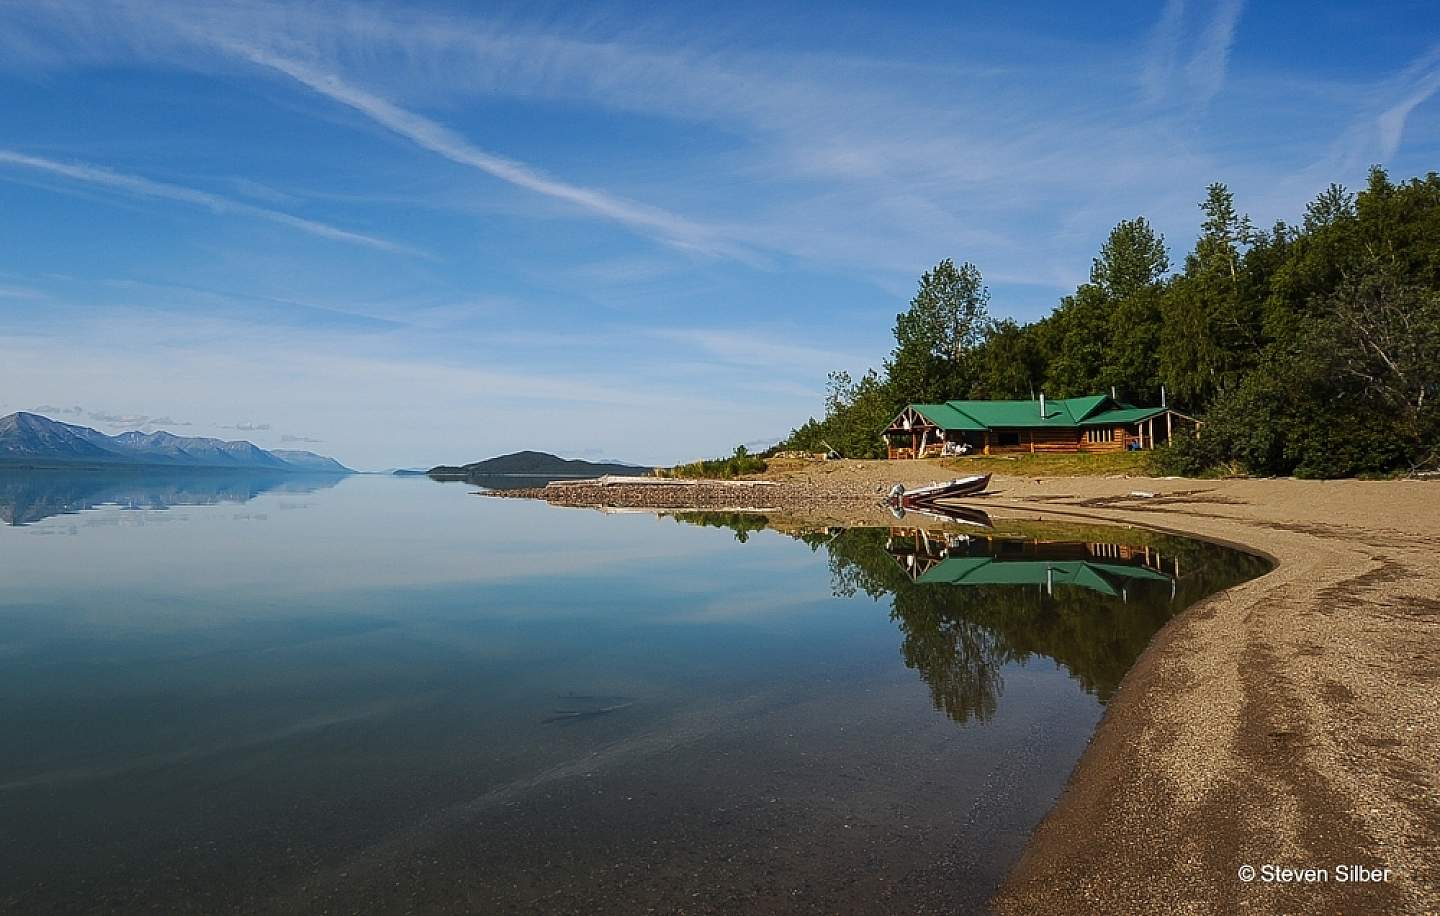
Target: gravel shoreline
column 1290, row 721
column 697, row 496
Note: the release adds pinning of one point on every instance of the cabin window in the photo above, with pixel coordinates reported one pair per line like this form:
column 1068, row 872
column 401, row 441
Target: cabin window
column 1100, row 434
column 1011, row 438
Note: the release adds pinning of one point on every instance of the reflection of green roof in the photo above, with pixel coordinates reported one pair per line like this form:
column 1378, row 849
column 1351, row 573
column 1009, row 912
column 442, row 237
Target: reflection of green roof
column 1099, row 577
column 1061, row 413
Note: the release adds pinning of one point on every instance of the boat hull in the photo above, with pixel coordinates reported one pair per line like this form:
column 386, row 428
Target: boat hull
column 921, row 497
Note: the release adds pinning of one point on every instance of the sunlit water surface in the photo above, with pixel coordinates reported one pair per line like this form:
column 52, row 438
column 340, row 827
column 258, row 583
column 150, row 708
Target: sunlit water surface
column 230, row 693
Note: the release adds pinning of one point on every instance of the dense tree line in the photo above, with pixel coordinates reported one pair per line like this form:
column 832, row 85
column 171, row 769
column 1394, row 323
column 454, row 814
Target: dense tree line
column 1311, row 349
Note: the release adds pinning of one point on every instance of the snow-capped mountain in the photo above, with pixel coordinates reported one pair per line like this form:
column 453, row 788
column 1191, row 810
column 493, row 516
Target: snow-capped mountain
column 27, row 438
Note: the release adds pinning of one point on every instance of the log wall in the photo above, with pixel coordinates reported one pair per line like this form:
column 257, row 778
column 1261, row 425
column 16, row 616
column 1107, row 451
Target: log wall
column 1062, row 441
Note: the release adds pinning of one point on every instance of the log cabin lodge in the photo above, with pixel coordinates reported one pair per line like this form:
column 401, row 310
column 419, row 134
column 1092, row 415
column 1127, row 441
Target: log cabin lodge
column 1097, row 423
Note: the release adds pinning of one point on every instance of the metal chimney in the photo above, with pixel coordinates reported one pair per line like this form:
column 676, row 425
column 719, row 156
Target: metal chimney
column 1042, row 404
column 1162, row 395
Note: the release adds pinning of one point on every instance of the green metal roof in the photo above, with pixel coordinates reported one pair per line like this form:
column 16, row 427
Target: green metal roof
column 1122, row 415
column 1060, row 413
column 1080, row 408
column 946, row 416
column 993, row 414
column 1098, row 577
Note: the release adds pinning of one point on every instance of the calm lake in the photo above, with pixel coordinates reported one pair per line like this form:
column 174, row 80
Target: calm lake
column 224, row 693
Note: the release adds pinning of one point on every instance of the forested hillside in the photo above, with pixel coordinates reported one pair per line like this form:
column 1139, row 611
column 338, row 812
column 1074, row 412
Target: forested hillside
column 1310, row 349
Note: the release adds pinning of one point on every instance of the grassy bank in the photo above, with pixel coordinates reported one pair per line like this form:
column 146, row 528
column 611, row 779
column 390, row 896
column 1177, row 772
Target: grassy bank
column 1136, row 464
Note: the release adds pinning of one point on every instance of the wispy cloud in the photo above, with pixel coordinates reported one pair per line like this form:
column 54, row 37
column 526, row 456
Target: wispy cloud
column 1420, row 81
column 51, row 410
column 20, row 292
column 1206, row 71
column 1376, row 132
column 758, row 350
column 248, row 427
column 1186, row 69
column 145, row 187
column 116, row 419
column 446, row 142
column 107, row 418
column 287, row 438
column 1158, row 69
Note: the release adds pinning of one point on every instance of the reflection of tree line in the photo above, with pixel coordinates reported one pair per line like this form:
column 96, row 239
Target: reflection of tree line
column 742, row 523
column 960, row 637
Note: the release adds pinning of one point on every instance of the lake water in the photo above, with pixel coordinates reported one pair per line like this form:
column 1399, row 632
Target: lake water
column 252, row 694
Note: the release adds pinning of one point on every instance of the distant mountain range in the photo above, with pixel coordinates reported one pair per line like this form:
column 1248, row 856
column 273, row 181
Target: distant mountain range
column 30, row 440
column 534, row 464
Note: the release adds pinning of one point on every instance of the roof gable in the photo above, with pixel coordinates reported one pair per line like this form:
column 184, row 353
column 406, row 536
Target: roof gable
column 948, row 416
column 1081, row 408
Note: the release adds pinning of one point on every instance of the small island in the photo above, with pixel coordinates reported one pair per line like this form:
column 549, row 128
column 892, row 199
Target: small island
column 534, row 464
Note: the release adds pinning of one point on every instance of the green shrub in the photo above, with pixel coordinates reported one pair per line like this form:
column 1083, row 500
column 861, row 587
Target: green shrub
column 737, row 465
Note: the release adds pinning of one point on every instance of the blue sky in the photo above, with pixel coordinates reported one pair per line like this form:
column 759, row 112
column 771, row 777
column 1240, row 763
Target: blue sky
column 410, row 233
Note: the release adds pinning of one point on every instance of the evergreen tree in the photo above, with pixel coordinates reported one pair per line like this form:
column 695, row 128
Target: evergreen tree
column 1130, row 269
column 1011, row 365
column 1132, row 260
column 1210, row 331
column 1108, row 331
column 1333, row 205
column 1081, row 325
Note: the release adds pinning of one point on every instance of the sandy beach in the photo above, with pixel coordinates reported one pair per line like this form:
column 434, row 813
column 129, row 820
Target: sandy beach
column 1289, row 722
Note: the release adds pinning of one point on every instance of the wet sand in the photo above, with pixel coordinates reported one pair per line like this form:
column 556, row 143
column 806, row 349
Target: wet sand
column 1292, row 721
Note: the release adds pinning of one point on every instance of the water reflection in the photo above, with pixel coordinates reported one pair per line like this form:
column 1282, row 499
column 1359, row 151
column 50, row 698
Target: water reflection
column 407, row 698
column 960, row 515
column 933, row 557
column 1087, row 597
column 30, row 496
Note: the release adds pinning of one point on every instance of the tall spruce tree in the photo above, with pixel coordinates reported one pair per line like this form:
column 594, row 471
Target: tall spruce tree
column 1211, row 328
column 1131, row 269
